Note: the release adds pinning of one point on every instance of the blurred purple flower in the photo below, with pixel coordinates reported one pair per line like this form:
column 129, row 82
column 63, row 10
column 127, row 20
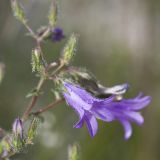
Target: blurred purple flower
column 17, row 127
column 57, row 34
column 89, row 108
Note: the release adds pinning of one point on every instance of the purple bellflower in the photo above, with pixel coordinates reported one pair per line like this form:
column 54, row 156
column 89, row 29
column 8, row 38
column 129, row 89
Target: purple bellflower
column 57, row 34
column 90, row 108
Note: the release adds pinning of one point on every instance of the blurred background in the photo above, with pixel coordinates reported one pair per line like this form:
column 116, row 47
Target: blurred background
column 119, row 42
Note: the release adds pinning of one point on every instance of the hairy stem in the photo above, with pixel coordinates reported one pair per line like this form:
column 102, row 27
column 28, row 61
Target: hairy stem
column 41, row 81
column 30, row 30
column 45, row 34
column 51, row 105
column 58, row 69
column 34, row 100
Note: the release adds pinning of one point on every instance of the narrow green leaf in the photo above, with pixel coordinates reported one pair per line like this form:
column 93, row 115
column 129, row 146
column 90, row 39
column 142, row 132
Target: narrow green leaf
column 32, row 93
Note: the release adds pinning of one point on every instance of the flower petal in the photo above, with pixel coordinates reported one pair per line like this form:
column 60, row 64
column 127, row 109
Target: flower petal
column 136, row 103
column 117, row 90
column 128, row 104
column 74, row 105
column 92, row 124
column 80, row 96
column 79, row 124
column 102, row 113
column 134, row 116
column 127, row 129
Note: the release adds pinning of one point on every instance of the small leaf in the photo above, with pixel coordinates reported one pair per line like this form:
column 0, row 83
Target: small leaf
column 32, row 93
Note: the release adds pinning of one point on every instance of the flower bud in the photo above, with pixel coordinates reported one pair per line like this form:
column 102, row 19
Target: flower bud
column 18, row 128
column 57, row 34
column 36, row 60
column 18, row 11
column 69, row 50
column 52, row 16
column 32, row 130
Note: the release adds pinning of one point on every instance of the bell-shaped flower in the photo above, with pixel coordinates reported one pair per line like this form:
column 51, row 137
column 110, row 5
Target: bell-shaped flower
column 90, row 108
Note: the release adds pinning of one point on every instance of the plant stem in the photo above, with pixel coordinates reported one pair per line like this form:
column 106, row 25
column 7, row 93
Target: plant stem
column 41, row 81
column 51, row 105
column 45, row 34
column 30, row 30
column 57, row 69
column 34, row 100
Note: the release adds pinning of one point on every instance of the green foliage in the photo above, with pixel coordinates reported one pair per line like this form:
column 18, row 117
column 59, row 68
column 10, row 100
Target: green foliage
column 18, row 11
column 69, row 50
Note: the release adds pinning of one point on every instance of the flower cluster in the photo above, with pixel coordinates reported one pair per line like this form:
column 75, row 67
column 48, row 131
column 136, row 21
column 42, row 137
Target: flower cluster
column 90, row 108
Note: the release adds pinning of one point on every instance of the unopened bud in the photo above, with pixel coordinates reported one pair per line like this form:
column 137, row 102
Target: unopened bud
column 70, row 49
column 36, row 60
column 32, row 129
column 18, row 11
column 18, row 128
column 57, row 34
column 53, row 12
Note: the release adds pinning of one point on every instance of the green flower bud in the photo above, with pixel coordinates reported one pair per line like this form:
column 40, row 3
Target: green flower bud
column 32, row 130
column 18, row 11
column 69, row 50
column 36, row 60
column 53, row 12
